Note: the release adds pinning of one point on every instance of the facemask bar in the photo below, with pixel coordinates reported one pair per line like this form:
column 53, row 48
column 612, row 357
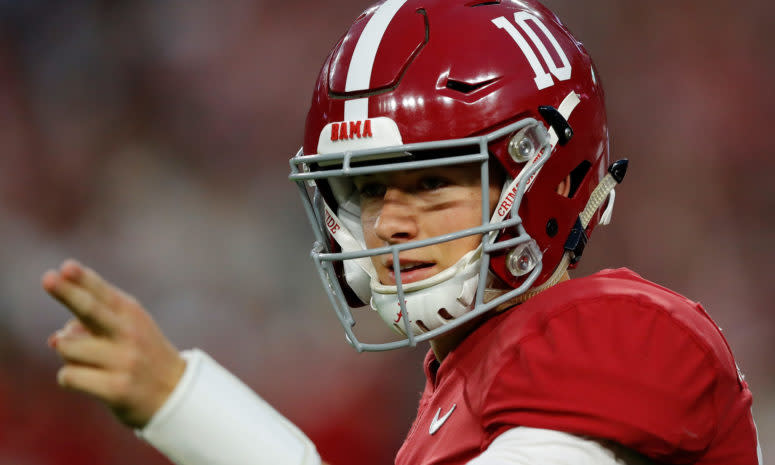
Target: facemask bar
column 340, row 164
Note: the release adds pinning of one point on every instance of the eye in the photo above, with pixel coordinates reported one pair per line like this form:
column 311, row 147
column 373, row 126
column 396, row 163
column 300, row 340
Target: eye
column 372, row 190
column 432, row 183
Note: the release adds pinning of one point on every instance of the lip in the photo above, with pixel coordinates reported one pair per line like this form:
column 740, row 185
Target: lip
column 423, row 270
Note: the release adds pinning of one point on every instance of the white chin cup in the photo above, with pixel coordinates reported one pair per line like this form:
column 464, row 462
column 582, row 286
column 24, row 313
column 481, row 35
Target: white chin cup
column 358, row 273
column 432, row 302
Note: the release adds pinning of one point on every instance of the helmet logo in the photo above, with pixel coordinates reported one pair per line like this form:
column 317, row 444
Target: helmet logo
column 351, row 130
column 358, row 134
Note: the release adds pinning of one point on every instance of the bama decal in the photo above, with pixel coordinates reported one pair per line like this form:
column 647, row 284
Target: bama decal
column 351, row 130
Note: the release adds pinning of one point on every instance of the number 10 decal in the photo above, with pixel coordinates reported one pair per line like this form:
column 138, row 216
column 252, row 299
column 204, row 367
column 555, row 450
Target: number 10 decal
column 542, row 78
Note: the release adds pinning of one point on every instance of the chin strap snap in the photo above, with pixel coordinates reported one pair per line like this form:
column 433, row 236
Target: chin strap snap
column 556, row 277
column 577, row 239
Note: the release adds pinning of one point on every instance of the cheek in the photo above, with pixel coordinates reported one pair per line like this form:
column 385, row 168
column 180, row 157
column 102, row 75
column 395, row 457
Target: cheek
column 495, row 195
column 465, row 213
column 466, row 216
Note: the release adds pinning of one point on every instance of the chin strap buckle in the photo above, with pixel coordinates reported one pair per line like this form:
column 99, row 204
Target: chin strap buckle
column 577, row 240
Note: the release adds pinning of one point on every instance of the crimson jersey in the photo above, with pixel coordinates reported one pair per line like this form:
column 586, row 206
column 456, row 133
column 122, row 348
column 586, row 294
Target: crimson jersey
column 610, row 356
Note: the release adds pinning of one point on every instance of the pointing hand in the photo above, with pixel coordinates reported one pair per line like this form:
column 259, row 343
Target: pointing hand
column 112, row 349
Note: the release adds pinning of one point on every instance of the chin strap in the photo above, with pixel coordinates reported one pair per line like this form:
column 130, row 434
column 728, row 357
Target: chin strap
column 556, row 277
column 603, row 191
column 577, row 239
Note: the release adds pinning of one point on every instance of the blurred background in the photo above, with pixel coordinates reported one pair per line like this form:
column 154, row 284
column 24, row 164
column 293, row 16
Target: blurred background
column 150, row 140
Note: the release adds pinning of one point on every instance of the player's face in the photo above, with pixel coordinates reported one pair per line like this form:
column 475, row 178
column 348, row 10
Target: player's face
column 413, row 205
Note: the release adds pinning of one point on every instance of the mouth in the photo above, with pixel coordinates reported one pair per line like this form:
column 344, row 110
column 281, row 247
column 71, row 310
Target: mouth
column 411, row 271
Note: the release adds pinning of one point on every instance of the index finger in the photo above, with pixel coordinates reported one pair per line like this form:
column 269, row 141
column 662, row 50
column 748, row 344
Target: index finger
column 81, row 302
column 101, row 289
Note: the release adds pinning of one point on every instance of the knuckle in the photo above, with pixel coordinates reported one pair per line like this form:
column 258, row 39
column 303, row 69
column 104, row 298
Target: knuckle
column 114, row 300
column 130, row 335
column 122, row 302
column 87, row 306
column 132, row 360
column 120, row 388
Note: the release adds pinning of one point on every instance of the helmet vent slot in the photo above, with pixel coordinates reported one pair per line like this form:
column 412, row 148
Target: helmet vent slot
column 467, row 87
column 577, row 177
column 483, row 3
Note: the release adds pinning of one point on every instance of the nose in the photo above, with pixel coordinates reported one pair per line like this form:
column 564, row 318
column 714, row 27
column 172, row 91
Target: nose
column 397, row 220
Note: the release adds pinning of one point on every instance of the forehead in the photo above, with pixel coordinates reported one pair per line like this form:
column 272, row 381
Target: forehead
column 463, row 172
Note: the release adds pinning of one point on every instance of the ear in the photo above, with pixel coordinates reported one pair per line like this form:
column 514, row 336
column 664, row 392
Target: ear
column 563, row 188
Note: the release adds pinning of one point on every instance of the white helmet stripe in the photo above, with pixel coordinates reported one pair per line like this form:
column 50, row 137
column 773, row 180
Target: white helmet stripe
column 362, row 62
column 566, row 108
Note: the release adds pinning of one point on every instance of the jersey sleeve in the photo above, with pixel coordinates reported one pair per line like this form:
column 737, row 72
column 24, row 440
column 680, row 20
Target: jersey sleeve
column 621, row 368
column 212, row 418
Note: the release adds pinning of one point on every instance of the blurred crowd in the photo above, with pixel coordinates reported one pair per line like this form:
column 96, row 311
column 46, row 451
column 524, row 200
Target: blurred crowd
column 150, row 140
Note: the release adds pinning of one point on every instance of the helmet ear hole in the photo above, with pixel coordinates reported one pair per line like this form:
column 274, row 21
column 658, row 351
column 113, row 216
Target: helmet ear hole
column 577, row 176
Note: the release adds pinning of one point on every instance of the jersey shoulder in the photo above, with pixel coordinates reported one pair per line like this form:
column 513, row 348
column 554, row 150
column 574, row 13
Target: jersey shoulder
column 625, row 308
column 613, row 356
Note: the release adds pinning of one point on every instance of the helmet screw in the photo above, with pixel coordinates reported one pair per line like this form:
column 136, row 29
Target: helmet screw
column 521, row 147
column 523, row 258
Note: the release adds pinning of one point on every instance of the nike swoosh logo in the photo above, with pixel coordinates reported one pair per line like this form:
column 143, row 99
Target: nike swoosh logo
column 437, row 422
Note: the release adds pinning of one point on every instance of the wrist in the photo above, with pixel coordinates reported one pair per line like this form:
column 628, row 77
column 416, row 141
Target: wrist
column 213, row 418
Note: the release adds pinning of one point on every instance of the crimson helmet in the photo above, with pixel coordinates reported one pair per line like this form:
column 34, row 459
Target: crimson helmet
column 422, row 83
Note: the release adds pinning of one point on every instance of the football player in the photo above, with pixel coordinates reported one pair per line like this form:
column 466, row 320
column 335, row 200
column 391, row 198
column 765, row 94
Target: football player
column 454, row 165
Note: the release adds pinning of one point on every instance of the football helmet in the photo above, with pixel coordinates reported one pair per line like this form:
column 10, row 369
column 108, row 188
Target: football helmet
column 422, row 83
